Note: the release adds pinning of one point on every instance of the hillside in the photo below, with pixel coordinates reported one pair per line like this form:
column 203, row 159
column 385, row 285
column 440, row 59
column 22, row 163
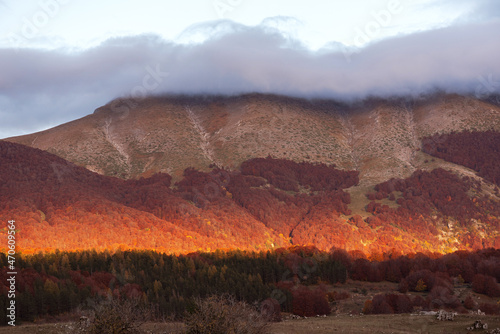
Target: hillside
column 379, row 138
column 266, row 203
column 58, row 205
column 258, row 172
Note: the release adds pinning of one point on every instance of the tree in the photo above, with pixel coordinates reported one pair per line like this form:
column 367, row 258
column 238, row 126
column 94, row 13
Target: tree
column 421, row 286
column 113, row 317
column 308, row 303
column 51, row 291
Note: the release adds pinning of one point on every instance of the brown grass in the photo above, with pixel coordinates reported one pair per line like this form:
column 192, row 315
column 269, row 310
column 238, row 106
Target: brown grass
column 373, row 324
column 380, row 138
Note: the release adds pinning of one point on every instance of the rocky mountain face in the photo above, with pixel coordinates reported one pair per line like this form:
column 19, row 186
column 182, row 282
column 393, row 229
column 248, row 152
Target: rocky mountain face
column 379, row 138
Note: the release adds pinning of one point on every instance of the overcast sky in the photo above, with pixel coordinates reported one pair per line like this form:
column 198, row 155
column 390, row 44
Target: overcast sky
column 62, row 59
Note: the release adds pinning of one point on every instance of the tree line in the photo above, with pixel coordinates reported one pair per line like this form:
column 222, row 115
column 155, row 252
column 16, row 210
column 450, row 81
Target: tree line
column 54, row 283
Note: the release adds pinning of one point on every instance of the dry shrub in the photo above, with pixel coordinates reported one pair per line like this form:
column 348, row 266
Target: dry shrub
column 419, row 303
column 399, row 303
column 403, row 286
column 270, row 310
column 469, row 303
column 334, row 296
column 490, row 309
column 368, row 307
column 391, row 303
column 224, row 315
column 116, row 317
column 342, row 295
column 443, row 297
column 380, row 305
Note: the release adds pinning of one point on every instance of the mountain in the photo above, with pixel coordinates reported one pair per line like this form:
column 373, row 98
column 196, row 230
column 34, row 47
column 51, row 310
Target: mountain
column 58, row 205
column 379, row 138
column 259, row 172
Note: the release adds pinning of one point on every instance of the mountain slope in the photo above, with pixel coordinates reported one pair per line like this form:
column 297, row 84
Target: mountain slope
column 267, row 203
column 380, row 138
column 357, row 176
column 58, row 205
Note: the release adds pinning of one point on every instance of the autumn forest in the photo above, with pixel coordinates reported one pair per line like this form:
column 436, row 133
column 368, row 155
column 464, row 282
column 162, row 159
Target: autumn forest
column 273, row 228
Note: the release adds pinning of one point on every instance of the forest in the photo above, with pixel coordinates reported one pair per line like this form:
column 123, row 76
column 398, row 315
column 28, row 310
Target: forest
column 478, row 150
column 427, row 199
column 274, row 228
column 52, row 284
column 268, row 203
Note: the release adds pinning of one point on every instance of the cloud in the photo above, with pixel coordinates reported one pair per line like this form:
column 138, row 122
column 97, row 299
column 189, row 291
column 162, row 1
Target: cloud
column 39, row 89
column 483, row 10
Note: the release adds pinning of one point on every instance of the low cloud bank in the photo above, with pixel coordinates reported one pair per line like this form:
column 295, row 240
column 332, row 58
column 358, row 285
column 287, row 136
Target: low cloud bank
column 43, row 88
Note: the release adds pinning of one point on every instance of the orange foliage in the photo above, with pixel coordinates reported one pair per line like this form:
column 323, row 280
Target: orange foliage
column 273, row 203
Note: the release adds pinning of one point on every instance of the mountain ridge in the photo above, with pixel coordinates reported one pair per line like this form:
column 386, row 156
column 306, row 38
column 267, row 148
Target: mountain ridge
column 378, row 137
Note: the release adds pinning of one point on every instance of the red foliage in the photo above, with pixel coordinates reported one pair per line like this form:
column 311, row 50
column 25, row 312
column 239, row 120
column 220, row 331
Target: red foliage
column 486, row 285
column 288, row 175
column 364, row 270
column 426, row 198
column 76, row 277
column 368, row 307
column 399, row 303
column 490, row 266
column 490, row 309
column 424, row 192
column 469, row 303
column 475, row 150
column 403, row 286
column 391, row 303
column 285, row 285
column 131, row 291
column 341, row 256
column 425, row 275
column 283, row 211
column 409, row 269
column 103, row 279
column 420, row 302
column 308, row 303
column 442, row 297
column 381, row 306
column 341, row 295
column 62, row 206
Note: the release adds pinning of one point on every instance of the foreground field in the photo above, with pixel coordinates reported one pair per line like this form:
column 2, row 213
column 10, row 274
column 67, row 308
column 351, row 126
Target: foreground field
column 374, row 324
column 378, row 324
